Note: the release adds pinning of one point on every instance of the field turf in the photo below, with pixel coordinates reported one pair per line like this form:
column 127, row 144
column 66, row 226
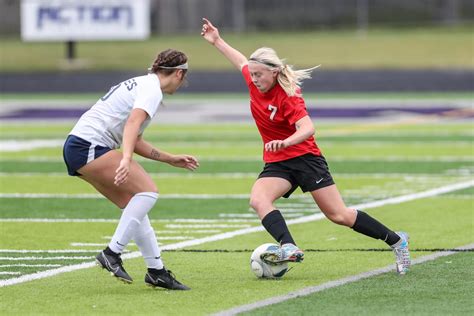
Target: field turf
column 49, row 221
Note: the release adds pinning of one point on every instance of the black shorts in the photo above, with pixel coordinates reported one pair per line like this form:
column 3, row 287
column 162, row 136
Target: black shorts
column 78, row 152
column 309, row 172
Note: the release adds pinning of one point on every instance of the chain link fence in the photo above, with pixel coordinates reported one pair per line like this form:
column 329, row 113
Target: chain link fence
column 184, row 16
column 173, row 16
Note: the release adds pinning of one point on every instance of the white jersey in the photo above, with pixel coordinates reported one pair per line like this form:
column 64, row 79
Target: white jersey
column 104, row 122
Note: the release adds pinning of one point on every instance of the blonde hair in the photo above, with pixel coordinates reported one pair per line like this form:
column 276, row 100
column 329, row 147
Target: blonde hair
column 288, row 78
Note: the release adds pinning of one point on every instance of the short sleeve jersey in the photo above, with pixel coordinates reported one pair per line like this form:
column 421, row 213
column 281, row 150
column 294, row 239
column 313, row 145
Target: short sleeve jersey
column 104, row 122
column 275, row 114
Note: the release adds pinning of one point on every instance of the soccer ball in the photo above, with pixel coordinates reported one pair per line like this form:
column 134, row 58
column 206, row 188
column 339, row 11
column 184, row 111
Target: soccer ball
column 265, row 270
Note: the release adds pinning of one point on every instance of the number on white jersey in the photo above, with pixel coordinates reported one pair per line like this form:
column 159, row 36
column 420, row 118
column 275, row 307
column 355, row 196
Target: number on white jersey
column 130, row 84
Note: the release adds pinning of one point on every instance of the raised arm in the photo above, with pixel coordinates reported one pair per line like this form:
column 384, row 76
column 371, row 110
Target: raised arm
column 211, row 34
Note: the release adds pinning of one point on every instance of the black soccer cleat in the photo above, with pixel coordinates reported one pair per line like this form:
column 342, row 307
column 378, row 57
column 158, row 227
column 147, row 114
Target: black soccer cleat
column 113, row 264
column 165, row 280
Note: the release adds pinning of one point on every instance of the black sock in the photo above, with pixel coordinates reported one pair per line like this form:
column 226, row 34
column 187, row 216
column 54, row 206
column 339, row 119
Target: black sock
column 109, row 252
column 369, row 226
column 157, row 271
column 275, row 224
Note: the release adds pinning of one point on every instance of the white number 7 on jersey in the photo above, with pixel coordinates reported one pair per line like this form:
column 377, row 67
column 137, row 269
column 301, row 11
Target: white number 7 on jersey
column 273, row 109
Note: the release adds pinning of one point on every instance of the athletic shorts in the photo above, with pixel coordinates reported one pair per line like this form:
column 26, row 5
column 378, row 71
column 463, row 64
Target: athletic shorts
column 309, row 172
column 78, row 152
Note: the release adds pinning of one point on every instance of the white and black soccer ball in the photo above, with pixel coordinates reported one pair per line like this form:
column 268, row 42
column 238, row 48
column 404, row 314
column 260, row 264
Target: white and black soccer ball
column 265, row 270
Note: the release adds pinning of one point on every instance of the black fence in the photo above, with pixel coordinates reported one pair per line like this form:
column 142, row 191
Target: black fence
column 182, row 16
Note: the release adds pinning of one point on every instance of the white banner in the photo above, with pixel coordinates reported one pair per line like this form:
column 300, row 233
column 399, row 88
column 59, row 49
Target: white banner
column 75, row 20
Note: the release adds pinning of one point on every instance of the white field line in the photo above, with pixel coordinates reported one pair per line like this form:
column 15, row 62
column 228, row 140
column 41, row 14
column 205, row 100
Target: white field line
column 200, row 220
column 305, row 210
column 259, row 159
column 225, row 175
column 161, row 238
column 80, row 244
column 176, row 238
column 52, row 195
column 89, row 244
column 21, row 145
column 48, row 251
column 310, row 203
column 195, row 196
column 408, row 159
column 100, row 196
column 331, row 284
column 30, row 144
column 92, row 244
column 105, row 220
column 173, row 232
column 241, row 175
column 9, row 273
column 23, row 265
column 292, row 213
column 238, row 215
column 18, row 145
column 59, row 220
column 227, row 235
column 46, row 258
column 204, row 226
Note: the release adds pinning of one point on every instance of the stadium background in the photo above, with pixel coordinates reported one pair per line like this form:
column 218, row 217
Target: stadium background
column 241, row 17
column 393, row 124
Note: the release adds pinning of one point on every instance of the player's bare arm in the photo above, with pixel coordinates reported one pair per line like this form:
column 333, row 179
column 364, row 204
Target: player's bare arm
column 304, row 130
column 146, row 150
column 130, row 136
column 211, row 34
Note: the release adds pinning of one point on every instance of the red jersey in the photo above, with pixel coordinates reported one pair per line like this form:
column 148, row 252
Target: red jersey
column 275, row 114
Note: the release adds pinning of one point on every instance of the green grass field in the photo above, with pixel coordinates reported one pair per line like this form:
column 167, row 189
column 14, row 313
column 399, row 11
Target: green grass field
column 50, row 221
column 435, row 47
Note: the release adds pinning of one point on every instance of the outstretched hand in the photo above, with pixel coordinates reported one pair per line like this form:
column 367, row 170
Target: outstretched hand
column 184, row 161
column 209, row 31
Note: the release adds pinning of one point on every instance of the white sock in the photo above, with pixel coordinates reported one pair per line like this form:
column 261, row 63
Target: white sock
column 132, row 215
column 145, row 239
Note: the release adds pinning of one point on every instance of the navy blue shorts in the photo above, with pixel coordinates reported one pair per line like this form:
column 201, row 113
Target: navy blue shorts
column 78, row 152
column 309, row 172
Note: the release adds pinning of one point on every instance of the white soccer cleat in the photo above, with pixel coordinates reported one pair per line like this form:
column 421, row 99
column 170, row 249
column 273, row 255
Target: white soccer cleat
column 286, row 253
column 402, row 254
column 291, row 253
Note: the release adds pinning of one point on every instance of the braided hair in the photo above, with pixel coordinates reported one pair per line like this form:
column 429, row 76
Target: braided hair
column 168, row 58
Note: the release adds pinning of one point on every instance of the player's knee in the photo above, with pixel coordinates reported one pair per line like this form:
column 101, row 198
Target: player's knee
column 143, row 183
column 149, row 187
column 336, row 219
column 339, row 218
column 254, row 203
column 154, row 189
column 258, row 204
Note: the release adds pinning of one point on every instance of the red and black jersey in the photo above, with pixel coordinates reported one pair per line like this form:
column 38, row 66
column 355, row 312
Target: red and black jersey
column 275, row 114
